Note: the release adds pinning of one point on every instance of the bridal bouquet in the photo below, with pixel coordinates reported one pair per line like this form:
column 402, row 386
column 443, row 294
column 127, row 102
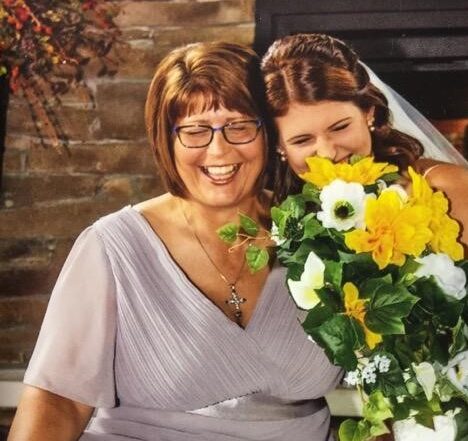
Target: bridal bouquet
column 381, row 278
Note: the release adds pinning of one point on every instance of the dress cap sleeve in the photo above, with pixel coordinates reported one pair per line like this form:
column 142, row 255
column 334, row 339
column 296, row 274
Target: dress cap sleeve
column 74, row 354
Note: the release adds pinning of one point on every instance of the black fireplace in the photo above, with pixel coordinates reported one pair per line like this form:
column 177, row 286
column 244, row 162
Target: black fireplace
column 419, row 47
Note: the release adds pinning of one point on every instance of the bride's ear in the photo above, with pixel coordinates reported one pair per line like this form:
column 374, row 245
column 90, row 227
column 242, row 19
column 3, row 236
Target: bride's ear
column 370, row 113
column 370, row 118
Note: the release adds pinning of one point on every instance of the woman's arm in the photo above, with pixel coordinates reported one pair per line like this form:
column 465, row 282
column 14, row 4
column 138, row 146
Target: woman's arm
column 44, row 416
column 453, row 181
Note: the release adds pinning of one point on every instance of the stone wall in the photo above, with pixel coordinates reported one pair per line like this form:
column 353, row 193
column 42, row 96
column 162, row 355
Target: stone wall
column 50, row 195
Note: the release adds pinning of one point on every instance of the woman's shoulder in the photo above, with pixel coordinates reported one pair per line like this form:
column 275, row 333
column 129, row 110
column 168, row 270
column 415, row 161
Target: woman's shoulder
column 443, row 175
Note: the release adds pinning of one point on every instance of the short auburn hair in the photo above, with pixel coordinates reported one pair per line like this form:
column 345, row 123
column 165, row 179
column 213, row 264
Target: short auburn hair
column 215, row 74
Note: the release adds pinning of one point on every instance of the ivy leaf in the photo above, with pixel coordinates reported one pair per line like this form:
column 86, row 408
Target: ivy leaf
column 391, row 383
column 459, row 341
column 228, row 233
column 334, row 273
column 311, row 193
column 295, row 205
column 462, row 424
column 390, row 177
column 257, row 258
column 377, row 409
column 387, row 307
column 248, row 225
column 312, row 226
column 317, row 316
column 279, row 217
column 352, row 430
column 339, row 340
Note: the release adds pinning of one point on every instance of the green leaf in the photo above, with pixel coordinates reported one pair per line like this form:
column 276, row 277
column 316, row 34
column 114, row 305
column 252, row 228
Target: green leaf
column 228, row 233
column 312, row 226
column 352, row 430
column 390, row 177
column 370, row 287
column 462, row 424
column 334, row 273
column 387, row 307
column 459, row 341
column 311, row 193
column 356, row 258
column 317, row 316
column 257, row 258
column 248, row 225
column 390, row 383
column 294, row 271
column 439, row 307
column 301, row 254
column 277, row 216
column 338, row 338
column 295, row 205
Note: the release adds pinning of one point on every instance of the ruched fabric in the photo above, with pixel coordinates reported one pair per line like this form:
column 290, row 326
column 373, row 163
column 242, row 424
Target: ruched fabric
column 127, row 332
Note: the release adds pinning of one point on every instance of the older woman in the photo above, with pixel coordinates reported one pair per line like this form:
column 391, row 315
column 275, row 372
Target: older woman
column 324, row 103
column 152, row 322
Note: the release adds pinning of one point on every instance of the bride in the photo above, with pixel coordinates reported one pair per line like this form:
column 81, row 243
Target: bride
column 326, row 102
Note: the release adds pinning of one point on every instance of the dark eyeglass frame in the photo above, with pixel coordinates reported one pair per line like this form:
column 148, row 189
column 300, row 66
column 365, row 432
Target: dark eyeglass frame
column 258, row 122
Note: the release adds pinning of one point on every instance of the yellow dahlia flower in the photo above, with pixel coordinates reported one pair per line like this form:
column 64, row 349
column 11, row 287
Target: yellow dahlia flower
column 445, row 230
column 323, row 171
column 393, row 230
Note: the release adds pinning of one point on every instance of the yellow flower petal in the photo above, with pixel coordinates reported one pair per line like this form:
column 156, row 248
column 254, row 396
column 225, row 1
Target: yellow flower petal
column 372, row 339
column 322, row 171
column 393, row 230
column 356, row 308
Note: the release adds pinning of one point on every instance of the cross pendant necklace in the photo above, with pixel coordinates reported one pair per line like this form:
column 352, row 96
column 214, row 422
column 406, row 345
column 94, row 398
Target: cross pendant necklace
column 234, row 299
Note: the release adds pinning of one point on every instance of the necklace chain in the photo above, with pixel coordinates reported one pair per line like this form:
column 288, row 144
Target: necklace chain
column 234, row 298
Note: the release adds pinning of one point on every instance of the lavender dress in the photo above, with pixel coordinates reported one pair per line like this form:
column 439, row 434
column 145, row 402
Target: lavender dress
column 128, row 333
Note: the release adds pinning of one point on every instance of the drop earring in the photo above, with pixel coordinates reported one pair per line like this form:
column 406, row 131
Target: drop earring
column 370, row 124
column 282, row 154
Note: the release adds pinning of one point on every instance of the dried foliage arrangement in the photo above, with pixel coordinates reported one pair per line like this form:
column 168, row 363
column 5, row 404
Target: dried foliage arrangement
column 44, row 48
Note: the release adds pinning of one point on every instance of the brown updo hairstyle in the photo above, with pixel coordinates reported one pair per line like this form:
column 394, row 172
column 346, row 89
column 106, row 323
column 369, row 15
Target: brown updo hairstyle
column 309, row 68
column 195, row 78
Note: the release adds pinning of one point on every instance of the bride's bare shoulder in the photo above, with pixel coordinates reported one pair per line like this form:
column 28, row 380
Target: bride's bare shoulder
column 442, row 175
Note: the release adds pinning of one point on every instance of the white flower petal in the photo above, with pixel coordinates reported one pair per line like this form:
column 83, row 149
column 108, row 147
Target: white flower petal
column 426, row 377
column 445, row 429
column 340, row 193
column 457, row 371
column 303, row 294
column 450, row 278
column 399, row 190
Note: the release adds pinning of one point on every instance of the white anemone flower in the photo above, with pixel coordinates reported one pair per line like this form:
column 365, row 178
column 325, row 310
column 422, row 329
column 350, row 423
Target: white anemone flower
column 303, row 291
column 450, row 278
column 342, row 205
column 457, row 371
column 445, row 429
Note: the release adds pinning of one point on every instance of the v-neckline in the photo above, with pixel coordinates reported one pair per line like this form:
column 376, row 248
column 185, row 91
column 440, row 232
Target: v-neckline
column 256, row 312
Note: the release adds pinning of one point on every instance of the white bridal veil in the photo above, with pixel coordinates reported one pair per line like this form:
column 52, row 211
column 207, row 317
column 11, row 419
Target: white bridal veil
column 408, row 119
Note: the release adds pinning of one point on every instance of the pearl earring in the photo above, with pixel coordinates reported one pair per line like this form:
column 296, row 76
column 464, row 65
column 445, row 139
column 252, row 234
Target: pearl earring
column 370, row 124
column 282, row 154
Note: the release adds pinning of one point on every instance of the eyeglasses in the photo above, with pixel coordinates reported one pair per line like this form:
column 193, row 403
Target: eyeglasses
column 195, row 136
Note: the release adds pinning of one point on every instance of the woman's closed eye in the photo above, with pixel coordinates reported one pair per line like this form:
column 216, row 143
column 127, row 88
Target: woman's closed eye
column 301, row 141
column 340, row 127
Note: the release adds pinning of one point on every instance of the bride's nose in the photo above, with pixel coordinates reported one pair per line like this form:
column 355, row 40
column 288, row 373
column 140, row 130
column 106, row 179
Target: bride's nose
column 326, row 148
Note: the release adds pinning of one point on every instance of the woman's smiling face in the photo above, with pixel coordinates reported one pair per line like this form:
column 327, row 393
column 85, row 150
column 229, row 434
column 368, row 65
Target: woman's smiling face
column 220, row 174
column 330, row 129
